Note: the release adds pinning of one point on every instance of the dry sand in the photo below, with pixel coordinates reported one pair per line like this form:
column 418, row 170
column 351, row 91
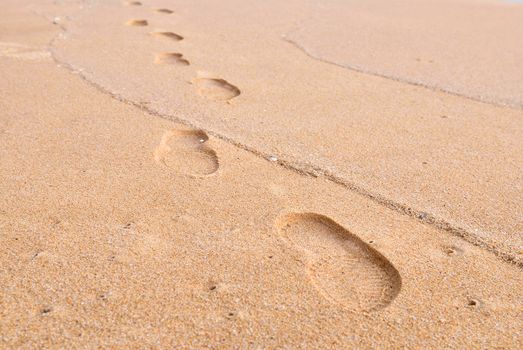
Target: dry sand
column 179, row 175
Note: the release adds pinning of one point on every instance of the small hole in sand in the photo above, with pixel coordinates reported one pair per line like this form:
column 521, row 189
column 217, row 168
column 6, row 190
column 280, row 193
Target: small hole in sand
column 473, row 302
column 212, row 288
column 46, row 310
column 452, row 250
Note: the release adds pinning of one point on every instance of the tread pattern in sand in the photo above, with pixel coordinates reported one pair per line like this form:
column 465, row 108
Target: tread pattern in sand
column 166, row 35
column 344, row 269
column 216, row 89
column 185, row 151
column 173, row 58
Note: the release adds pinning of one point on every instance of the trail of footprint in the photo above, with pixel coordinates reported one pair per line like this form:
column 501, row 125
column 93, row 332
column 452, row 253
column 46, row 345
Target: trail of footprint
column 342, row 267
column 166, row 35
column 166, row 11
column 215, row 88
column 185, row 151
column 137, row 22
column 173, row 58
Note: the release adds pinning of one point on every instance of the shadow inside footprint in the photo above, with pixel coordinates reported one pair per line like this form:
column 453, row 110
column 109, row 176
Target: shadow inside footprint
column 166, row 11
column 185, row 151
column 167, row 35
column 216, row 89
column 171, row 58
column 134, row 3
column 345, row 269
column 137, row 22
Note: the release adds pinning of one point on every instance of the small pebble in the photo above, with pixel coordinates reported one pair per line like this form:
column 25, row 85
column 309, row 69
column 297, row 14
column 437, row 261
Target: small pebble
column 273, row 158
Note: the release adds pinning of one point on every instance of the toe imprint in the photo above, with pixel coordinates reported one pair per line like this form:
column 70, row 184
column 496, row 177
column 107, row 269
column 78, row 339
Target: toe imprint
column 342, row 267
column 185, row 151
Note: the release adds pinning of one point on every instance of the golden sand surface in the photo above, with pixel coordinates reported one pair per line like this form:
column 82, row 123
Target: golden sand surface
column 469, row 48
column 177, row 174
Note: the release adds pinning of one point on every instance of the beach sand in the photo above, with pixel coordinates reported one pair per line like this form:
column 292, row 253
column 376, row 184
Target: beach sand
column 195, row 174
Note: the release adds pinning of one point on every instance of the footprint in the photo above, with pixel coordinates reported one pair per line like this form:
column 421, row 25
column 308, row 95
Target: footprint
column 344, row 269
column 171, row 58
column 167, row 35
column 166, row 11
column 185, row 151
column 215, row 89
column 137, row 22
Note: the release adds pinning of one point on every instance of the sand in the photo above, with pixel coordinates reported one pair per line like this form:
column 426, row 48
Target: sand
column 180, row 175
column 425, row 43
